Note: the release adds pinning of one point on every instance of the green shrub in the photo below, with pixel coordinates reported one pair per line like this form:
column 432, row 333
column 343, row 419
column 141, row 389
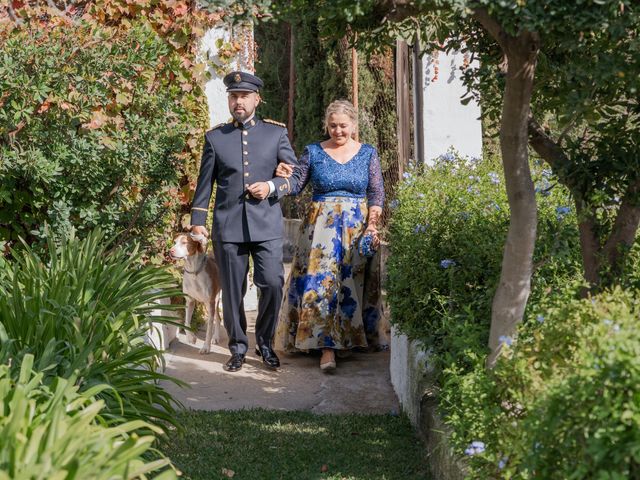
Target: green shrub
column 448, row 228
column 83, row 313
column 96, row 130
column 53, row 431
column 563, row 403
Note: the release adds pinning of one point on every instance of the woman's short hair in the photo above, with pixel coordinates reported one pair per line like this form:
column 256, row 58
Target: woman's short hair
column 340, row 107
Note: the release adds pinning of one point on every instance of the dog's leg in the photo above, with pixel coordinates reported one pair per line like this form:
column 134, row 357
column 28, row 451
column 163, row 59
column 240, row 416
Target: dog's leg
column 191, row 305
column 215, row 316
column 206, row 347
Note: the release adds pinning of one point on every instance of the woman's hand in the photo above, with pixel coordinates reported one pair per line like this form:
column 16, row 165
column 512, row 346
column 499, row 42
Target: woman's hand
column 373, row 231
column 375, row 212
column 284, row 170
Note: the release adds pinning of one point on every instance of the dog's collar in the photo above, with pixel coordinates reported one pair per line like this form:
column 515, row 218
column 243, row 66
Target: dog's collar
column 197, row 270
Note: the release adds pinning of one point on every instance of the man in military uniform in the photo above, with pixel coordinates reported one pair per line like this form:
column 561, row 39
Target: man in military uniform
column 241, row 157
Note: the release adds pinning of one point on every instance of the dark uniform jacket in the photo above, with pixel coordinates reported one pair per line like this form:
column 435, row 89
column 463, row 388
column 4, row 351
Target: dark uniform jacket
column 234, row 157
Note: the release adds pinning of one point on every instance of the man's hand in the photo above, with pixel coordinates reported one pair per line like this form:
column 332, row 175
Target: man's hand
column 284, row 170
column 199, row 230
column 259, row 190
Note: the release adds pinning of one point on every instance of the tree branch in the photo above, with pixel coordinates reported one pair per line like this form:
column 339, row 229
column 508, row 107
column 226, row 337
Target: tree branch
column 544, row 145
column 398, row 10
column 492, row 26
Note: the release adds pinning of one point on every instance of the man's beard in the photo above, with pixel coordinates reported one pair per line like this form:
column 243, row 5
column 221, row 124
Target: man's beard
column 241, row 116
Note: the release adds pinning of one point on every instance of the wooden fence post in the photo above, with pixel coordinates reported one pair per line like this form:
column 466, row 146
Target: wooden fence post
column 292, row 83
column 404, row 105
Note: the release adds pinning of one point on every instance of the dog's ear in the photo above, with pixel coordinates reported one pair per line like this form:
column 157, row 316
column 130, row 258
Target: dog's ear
column 201, row 240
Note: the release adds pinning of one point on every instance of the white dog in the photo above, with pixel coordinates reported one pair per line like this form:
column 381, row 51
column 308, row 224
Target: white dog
column 200, row 283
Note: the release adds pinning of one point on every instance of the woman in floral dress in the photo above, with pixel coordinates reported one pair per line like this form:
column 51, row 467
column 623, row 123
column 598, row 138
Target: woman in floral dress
column 325, row 305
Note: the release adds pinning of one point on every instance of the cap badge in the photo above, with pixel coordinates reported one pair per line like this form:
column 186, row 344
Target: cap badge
column 237, row 78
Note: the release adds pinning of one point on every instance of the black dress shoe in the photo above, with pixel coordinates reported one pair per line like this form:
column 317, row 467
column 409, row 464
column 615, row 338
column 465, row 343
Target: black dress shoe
column 269, row 357
column 234, row 363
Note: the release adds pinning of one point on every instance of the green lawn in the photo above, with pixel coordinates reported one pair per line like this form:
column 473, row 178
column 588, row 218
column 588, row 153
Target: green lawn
column 265, row 445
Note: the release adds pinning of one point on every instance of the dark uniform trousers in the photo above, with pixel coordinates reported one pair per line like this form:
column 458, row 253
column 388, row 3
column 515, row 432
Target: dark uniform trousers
column 268, row 276
column 234, row 157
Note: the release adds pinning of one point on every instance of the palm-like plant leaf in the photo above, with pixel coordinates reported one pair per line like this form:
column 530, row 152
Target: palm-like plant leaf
column 84, row 313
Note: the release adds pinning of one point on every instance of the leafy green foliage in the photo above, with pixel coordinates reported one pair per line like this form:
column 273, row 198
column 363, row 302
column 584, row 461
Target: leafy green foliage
column 562, row 400
column 94, row 132
column 563, row 403
column 83, row 314
column 587, row 83
column 449, row 228
column 53, row 431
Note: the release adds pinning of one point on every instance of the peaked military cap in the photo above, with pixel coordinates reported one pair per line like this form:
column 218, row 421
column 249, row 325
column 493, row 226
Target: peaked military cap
column 242, row 82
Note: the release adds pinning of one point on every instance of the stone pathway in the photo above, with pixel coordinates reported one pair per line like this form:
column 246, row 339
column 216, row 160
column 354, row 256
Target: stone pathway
column 361, row 383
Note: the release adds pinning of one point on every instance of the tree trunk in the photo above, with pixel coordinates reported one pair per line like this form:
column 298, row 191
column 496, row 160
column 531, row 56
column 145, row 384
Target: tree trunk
column 589, row 244
column 514, row 287
column 624, row 229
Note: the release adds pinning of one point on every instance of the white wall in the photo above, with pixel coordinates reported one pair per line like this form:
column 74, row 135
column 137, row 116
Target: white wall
column 448, row 123
column 214, row 88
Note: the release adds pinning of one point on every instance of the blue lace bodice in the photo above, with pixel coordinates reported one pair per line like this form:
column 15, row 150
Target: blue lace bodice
column 360, row 177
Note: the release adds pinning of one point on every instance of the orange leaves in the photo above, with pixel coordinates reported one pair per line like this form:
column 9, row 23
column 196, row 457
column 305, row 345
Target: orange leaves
column 98, row 120
column 44, row 107
column 180, row 9
column 184, row 195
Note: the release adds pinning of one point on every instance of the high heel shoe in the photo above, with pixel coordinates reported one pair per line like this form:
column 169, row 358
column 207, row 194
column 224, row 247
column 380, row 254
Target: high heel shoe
column 328, row 365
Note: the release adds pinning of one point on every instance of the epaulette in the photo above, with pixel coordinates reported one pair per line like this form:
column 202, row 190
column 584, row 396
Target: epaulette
column 268, row 120
column 219, row 125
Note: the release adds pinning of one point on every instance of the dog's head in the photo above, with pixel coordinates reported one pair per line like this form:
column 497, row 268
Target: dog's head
column 186, row 245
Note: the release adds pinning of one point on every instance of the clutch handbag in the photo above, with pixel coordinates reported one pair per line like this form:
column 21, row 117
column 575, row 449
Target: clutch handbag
column 365, row 246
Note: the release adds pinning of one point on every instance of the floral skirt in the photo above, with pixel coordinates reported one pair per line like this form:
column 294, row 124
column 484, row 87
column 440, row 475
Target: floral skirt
column 332, row 296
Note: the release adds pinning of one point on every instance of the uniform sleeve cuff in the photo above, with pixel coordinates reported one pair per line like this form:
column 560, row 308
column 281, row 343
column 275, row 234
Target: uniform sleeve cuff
column 272, row 187
column 199, row 216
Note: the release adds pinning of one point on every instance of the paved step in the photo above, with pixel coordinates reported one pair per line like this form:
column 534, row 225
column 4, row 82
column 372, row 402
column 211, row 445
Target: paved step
column 360, row 384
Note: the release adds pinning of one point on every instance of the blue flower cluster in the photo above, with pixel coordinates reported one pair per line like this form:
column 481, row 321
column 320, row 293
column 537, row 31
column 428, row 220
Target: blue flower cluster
column 505, row 340
column 447, row 262
column 475, row 448
column 494, row 178
column 561, row 212
column 421, row 228
column 544, row 189
column 447, row 157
